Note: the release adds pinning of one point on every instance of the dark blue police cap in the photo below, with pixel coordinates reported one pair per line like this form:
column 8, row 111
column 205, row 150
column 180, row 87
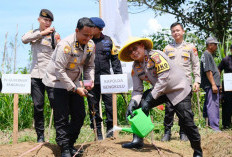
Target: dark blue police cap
column 46, row 13
column 98, row 22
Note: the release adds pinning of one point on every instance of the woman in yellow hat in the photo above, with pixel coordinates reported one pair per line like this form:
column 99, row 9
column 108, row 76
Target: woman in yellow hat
column 169, row 85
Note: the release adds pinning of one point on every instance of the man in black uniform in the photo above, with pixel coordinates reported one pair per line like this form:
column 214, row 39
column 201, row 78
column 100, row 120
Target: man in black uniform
column 0, row 84
column 106, row 53
column 226, row 65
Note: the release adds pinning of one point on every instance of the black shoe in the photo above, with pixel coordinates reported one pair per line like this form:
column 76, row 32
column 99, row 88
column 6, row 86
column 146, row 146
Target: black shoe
column 197, row 153
column 183, row 137
column 72, row 150
column 40, row 138
column 226, row 127
column 109, row 134
column 99, row 134
column 66, row 153
column 137, row 143
column 166, row 137
column 196, row 145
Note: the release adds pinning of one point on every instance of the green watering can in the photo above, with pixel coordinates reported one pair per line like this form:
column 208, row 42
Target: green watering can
column 141, row 124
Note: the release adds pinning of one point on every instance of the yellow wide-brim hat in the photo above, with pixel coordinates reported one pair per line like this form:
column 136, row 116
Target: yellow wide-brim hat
column 123, row 54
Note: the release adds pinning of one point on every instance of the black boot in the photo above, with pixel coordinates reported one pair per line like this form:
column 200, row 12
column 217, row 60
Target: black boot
column 99, row 134
column 183, row 137
column 72, row 150
column 40, row 138
column 109, row 130
column 137, row 143
column 65, row 152
column 167, row 135
column 196, row 145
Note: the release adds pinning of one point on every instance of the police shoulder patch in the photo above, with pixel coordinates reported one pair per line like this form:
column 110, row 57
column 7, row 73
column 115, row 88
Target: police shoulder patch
column 161, row 63
column 67, row 49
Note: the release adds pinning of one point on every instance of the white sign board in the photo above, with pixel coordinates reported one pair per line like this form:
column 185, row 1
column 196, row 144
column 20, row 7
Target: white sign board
column 16, row 83
column 228, row 81
column 117, row 83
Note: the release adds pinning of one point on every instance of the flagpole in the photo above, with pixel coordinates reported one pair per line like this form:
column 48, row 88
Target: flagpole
column 100, row 9
column 100, row 102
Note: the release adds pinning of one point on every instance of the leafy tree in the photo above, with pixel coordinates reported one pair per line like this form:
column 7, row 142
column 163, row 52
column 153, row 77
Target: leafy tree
column 211, row 17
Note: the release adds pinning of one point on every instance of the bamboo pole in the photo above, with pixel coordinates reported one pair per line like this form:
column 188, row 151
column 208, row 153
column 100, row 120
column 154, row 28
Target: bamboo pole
column 15, row 125
column 4, row 53
column 114, row 97
column 50, row 124
column 100, row 112
column 15, row 48
column 198, row 103
column 100, row 102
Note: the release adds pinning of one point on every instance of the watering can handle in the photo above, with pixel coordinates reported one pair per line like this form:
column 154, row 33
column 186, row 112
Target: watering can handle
column 135, row 112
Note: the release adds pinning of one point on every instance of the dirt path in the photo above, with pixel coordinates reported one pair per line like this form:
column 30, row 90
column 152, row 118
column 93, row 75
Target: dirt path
column 213, row 144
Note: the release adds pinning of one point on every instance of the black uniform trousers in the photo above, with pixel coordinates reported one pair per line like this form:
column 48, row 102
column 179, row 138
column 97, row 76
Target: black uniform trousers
column 69, row 114
column 227, row 109
column 169, row 118
column 94, row 101
column 185, row 115
column 37, row 94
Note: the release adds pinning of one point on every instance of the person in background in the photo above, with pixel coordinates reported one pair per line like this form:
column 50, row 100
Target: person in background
column 226, row 65
column 0, row 84
column 43, row 41
column 169, row 85
column 72, row 58
column 106, row 56
column 210, row 82
column 185, row 56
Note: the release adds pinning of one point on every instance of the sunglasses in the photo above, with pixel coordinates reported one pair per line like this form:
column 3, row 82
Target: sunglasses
column 132, row 49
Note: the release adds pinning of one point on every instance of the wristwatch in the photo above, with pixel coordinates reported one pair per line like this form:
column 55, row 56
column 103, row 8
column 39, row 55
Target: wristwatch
column 74, row 89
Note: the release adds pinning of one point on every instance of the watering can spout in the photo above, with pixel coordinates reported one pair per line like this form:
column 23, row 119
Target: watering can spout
column 127, row 130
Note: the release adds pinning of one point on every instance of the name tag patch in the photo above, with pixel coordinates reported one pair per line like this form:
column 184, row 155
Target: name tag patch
column 161, row 64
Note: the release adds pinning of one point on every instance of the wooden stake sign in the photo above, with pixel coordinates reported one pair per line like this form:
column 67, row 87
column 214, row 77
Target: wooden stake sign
column 16, row 84
column 112, row 84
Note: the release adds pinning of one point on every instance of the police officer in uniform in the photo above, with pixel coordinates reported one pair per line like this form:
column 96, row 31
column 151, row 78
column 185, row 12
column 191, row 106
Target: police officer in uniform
column 185, row 56
column 43, row 41
column 169, row 85
column 106, row 54
column 73, row 57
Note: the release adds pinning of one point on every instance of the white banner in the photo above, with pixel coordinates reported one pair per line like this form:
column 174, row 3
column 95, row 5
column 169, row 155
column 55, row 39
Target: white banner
column 16, row 83
column 228, row 81
column 116, row 18
column 117, row 83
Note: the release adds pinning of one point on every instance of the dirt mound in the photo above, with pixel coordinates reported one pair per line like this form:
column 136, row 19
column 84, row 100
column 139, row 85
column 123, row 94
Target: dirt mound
column 213, row 144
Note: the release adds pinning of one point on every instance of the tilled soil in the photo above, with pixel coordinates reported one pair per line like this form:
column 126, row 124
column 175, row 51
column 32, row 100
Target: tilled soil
column 213, row 144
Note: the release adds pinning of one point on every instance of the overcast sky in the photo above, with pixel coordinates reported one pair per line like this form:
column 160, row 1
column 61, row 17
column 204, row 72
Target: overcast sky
column 24, row 13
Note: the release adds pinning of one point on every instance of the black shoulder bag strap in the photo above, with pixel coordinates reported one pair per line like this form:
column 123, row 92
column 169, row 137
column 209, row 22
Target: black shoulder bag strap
column 53, row 39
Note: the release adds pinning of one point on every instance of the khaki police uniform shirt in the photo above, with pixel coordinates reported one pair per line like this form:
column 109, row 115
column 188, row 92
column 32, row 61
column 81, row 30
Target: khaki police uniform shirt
column 185, row 56
column 41, row 49
column 165, row 77
column 68, row 62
